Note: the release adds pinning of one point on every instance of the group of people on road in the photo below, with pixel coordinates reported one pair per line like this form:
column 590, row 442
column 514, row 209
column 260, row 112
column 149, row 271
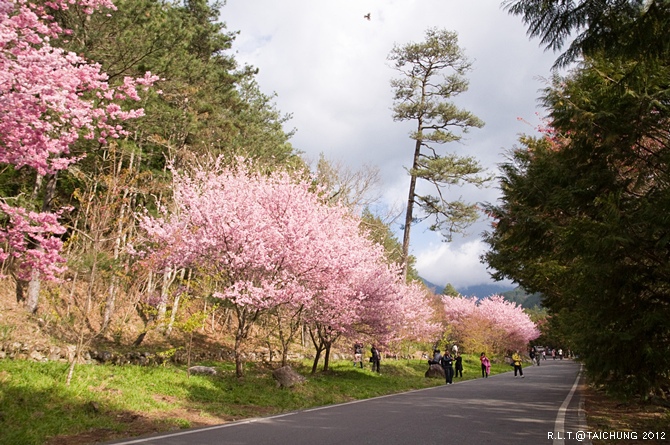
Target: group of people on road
column 447, row 362
column 557, row 353
column 452, row 362
column 538, row 353
column 535, row 356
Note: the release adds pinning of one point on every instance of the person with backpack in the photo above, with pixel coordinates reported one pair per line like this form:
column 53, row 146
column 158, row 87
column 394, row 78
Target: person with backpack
column 447, row 363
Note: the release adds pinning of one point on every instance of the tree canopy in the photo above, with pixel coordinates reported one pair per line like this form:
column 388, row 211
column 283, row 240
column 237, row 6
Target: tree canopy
column 490, row 324
column 619, row 28
column 584, row 218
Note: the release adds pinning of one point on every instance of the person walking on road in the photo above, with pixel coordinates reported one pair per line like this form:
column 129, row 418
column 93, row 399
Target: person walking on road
column 516, row 361
column 447, row 363
column 534, row 356
column 375, row 359
column 486, row 365
column 459, row 365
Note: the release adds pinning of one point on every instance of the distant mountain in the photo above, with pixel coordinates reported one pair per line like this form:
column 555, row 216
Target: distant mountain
column 484, row 290
column 479, row 291
column 524, row 299
column 510, row 293
column 437, row 289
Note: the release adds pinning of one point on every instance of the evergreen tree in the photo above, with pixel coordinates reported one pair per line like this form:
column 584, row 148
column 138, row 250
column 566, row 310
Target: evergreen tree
column 450, row 291
column 619, row 28
column 432, row 73
column 584, row 220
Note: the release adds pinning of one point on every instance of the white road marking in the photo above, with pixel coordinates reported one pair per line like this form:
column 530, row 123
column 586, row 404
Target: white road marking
column 559, row 425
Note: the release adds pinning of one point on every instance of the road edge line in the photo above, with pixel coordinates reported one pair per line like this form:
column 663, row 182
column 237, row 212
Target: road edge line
column 559, row 425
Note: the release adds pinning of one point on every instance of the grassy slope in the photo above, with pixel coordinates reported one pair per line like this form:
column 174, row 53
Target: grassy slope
column 106, row 402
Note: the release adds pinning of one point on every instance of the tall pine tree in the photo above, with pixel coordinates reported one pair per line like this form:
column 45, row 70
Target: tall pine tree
column 431, row 74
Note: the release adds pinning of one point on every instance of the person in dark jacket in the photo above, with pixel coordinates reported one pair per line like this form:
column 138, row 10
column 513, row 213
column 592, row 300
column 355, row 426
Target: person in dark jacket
column 375, row 359
column 459, row 365
column 447, row 363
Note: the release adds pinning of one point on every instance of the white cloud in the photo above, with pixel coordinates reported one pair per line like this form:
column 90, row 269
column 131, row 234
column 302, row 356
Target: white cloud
column 456, row 264
column 328, row 66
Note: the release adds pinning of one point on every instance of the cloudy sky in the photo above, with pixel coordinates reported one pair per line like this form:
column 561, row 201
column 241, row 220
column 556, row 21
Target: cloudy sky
column 328, row 66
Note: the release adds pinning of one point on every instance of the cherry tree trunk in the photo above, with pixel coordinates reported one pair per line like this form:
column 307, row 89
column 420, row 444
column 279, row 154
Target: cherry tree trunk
column 239, row 359
column 33, row 297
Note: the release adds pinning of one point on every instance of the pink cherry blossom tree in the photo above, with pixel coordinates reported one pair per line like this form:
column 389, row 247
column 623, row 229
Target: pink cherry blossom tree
column 417, row 323
column 518, row 330
column 357, row 282
column 270, row 241
column 491, row 323
column 263, row 238
column 49, row 98
column 400, row 311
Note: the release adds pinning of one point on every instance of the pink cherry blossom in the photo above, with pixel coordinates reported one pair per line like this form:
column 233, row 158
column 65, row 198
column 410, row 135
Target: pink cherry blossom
column 48, row 99
column 501, row 324
column 270, row 240
column 28, row 239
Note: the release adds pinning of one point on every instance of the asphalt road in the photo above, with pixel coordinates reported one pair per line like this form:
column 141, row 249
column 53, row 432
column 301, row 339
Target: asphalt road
column 542, row 408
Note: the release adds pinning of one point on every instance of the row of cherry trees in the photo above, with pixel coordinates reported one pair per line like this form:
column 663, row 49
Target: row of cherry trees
column 270, row 245
column 82, row 155
column 273, row 246
column 492, row 324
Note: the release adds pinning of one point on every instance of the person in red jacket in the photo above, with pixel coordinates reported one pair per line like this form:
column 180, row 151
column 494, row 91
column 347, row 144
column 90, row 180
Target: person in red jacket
column 486, row 365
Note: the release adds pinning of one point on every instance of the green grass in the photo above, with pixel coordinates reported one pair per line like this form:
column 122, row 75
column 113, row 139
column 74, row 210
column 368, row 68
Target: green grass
column 36, row 405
